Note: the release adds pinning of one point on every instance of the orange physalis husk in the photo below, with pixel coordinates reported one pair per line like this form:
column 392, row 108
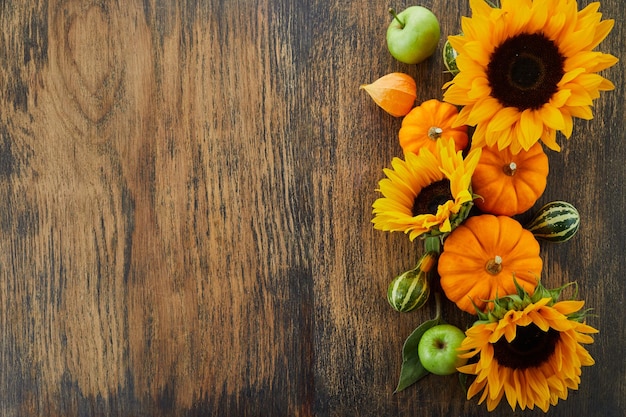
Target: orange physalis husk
column 395, row 93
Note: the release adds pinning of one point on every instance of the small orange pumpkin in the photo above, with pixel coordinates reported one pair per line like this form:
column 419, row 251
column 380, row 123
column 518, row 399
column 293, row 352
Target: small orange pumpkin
column 480, row 258
column 508, row 183
column 428, row 122
column 395, row 93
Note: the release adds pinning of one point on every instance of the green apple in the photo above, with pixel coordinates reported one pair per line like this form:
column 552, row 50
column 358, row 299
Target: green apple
column 437, row 349
column 413, row 34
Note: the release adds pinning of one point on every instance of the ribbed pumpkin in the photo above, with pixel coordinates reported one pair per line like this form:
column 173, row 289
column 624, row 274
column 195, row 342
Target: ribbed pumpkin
column 480, row 258
column 508, row 183
column 428, row 122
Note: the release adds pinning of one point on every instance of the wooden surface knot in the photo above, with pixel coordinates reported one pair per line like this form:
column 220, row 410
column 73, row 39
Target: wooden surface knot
column 87, row 49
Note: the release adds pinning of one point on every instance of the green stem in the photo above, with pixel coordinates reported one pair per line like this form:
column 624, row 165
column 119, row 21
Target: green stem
column 395, row 16
column 437, row 306
column 432, row 244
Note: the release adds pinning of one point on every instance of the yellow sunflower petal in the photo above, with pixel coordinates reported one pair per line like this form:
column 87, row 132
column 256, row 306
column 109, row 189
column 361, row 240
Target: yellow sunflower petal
column 511, row 392
column 585, row 357
column 483, row 111
column 606, row 85
column 539, row 386
column 549, row 139
column 495, row 384
column 569, row 123
column 569, row 306
column 480, row 7
column 531, row 128
column 602, row 31
column 584, row 338
column 584, row 328
column 582, row 112
column 504, row 119
column 552, row 117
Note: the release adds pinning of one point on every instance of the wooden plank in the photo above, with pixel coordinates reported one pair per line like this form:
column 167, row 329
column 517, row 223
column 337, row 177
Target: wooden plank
column 187, row 192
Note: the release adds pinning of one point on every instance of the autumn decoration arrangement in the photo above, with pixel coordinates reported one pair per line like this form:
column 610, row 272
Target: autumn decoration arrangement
column 521, row 72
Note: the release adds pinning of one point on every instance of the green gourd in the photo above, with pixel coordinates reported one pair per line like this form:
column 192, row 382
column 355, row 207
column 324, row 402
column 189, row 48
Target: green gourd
column 557, row 222
column 410, row 290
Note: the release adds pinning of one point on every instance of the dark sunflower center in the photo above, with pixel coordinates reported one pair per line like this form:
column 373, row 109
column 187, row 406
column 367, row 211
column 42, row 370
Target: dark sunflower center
column 431, row 197
column 530, row 348
column 524, row 71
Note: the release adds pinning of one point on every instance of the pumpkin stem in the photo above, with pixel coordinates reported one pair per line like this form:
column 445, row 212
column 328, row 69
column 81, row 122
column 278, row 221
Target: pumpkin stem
column 494, row 266
column 395, row 16
column 510, row 169
column 435, row 132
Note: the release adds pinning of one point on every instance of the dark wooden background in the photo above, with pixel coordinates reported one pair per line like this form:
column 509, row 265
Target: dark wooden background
column 185, row 206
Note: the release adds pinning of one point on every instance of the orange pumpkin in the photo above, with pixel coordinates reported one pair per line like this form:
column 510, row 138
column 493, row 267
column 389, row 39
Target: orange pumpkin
column 480, row 258
column 428, row 122
column 508, row 183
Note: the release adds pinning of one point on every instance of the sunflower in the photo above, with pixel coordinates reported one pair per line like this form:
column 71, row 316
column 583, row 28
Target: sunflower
column 426, row 192
column 528, row 68
column 529, row 350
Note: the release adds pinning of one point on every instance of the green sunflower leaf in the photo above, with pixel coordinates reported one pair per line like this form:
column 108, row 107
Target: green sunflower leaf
column 412, row 369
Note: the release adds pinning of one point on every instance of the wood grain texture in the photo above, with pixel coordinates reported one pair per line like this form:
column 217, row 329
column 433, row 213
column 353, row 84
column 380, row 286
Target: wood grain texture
column 186, row 192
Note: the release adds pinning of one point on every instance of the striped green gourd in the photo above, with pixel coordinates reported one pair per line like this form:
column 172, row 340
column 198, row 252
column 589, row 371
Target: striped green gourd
column 410, row 290
column 557, row 221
